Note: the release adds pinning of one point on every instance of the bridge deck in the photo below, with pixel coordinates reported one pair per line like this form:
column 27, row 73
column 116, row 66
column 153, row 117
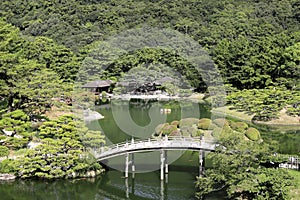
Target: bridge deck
column 152, row 144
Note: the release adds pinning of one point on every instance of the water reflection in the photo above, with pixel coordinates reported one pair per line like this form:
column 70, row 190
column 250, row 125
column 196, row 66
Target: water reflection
column 110, row 186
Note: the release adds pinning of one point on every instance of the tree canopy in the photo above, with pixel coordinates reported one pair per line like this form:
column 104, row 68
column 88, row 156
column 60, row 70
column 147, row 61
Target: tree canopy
column 238, row 169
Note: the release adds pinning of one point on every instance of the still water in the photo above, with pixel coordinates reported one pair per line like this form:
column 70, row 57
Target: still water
column 110, row 186
column 123, row 121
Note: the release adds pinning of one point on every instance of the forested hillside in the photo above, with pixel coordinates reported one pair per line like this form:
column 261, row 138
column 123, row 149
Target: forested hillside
column 254, row 44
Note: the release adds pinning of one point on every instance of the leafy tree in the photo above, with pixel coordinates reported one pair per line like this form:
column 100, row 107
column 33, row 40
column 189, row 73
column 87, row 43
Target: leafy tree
column 265, row 103
column 237, row 169
column 62, row 152
column 92, row 139
column 52, row 56
column 24, row 84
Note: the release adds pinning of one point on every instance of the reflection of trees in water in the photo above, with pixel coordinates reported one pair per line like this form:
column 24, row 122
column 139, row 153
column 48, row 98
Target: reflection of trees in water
column 143, row 104
column 47, row 189
column 79, row 189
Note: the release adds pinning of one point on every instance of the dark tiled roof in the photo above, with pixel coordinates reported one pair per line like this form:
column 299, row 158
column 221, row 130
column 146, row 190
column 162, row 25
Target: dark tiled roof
column 98, row 83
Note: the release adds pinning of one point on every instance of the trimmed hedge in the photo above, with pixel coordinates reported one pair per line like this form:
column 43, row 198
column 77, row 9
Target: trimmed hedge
column 205, row 124
column 188, row 122
column 253, row 134
column 239, row 126
column 159, row 128
column 176, row 123
column 169, row 129
column 175, row 133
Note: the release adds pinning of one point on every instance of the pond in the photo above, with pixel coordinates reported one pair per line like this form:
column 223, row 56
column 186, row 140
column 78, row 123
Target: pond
column 110, row 186
column 124, row 120
column 138, row 118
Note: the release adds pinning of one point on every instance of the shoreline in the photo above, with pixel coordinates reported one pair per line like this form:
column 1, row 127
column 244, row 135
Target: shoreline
column 194, row 96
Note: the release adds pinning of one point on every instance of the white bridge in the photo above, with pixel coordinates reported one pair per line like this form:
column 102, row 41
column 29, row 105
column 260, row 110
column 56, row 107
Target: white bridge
column 163, row 145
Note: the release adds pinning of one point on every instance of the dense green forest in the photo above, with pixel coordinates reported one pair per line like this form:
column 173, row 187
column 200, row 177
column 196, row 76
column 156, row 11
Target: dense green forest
column 255, row 45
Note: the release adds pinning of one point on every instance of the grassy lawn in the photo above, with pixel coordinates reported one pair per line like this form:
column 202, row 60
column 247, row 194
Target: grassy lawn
column 295, row 193
column 233, row 113
column 283, row 119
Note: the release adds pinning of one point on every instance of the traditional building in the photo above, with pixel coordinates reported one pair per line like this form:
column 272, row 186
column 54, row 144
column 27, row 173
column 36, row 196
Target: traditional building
column 98, row 86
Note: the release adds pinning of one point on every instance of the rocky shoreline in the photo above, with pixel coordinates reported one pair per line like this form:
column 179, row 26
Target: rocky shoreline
column 7, row 177
column 74, row 175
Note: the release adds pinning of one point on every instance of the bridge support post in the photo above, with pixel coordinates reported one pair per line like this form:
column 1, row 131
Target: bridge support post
column 132, row 165
column 127, row 188
column 166, row 162
column 201, row 162
column 162, row 190
column 162, row 162
column 126, row 164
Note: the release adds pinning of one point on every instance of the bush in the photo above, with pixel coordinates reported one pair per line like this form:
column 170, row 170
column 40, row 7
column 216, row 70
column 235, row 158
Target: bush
column 159, row 128
column 253, row 134
column 226, row 129
column 176, row 123
column 216, row 132
column 175, row 133
column 103, row 94
column 220, row 122
column 197, row 133
column 239, row 126
column 186, row 131
column 205, row 124
column 167, row 130
column 188, row 122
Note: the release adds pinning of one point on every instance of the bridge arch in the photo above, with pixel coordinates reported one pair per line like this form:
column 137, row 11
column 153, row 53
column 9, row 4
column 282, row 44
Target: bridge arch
column 163, row 145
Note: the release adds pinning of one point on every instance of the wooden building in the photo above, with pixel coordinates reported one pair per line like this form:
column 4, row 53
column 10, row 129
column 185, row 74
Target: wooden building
column 98, row 86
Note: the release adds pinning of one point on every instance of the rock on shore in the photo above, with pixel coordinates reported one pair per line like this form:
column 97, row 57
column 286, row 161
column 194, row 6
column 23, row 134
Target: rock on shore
column 7, row 177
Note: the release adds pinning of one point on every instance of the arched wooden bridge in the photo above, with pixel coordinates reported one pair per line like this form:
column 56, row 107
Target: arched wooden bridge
column 156, row 144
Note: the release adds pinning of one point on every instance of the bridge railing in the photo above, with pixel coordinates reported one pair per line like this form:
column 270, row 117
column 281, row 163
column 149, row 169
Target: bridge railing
column 159, row 141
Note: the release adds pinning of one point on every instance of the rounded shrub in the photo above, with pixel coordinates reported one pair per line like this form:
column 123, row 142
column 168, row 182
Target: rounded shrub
column 204, row 123
column 188, row 122
column 226, row 129
column 159, row 128
column 175, row 133
column 166, row 130
column 220, row 122
column 239, row 126
column 103, row 94
column 176, row 123
column 253, row 134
